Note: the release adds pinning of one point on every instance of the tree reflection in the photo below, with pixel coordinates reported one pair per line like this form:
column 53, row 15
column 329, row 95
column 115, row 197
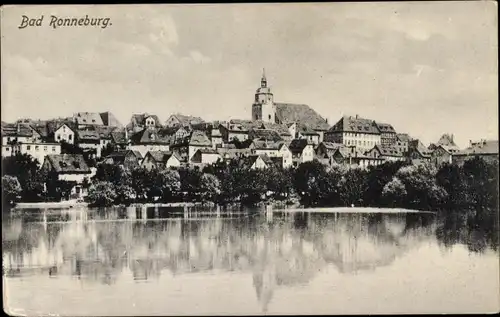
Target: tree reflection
column 287, row 250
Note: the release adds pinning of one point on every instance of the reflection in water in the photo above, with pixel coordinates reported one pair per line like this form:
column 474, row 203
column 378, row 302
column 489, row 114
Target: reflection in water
column 278, row 250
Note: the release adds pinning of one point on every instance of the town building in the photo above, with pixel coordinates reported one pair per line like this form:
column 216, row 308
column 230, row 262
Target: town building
column 128, row 159
column 139, row 122
column 386, row 152
column 402, row 142
column 253, row 162
column 149, row 140
column 352, row 156
column 37, row 150
column 441, row 154
column 205, row 156
column 216, row 135
column 237, row 129
column 64, row 133
column 180, row 120
column 87, row 119
column 304, row 132
column 388, row 135
column 418, row 153
column 281, row 129
column 266, row 109
column 302, row 151
column 325, row 151
column 354, row 131
column 160, row 160
column 187, row 147
column 264, row 134
column 120, row 139
column 273, row 149
column 485, row 149
column 446, row 140
column 229, row 153
column 68, row 167
column 90, row 142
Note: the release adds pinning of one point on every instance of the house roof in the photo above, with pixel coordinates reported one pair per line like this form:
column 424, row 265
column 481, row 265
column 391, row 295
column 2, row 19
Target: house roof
column 298, row 145
column 149, row 136
column 208, row 151
column 248, row 161
column 22, row 130
column 54, row 125
column 232, row 152
column 264, row 145
column 88, row 118
column 88, row 135
column 403, row 137
column 385, row 127
column 331, row 145
column 355, row 125
column 446, row 139
column 243, row 125
column 187, row 119
column 108, row 119
column 119, row 137
column 68, row 163
column 105, row 131
column 139, row 120
column 389, row 151
column 481, row 147
column 288, row 113
column 199, row 138
column 264, row 134
column 281, row 129
column 306, row 130
column 125, row 153
column 161, row 156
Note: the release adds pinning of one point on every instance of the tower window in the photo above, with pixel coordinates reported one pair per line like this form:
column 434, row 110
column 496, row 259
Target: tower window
column 269, row 117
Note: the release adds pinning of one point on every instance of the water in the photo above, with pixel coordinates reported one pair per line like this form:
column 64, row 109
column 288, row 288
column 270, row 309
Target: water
column 171, row 262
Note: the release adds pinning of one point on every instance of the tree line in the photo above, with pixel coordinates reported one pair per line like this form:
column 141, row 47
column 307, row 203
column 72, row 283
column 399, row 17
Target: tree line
column 473, row 186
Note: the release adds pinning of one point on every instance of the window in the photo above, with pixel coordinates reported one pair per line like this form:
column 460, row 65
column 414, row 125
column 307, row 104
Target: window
column 269, row 117
column 7, row 149
column 69, row 137
column 45, row 148
column 59, row 137
column 28, row 148
column 36, row 148
column 53, row 149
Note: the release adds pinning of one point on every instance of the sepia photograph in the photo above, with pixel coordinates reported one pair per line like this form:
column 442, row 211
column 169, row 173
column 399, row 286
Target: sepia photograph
column 330, row 158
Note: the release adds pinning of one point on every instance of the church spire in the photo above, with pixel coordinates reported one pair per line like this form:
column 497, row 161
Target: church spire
column 263, row 81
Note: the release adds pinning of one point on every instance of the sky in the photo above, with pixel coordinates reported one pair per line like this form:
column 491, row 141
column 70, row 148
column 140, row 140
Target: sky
column 427, row 68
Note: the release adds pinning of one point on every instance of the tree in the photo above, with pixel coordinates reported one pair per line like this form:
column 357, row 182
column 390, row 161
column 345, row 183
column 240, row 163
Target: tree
column 11, row 188
column 190, row 182
column 279, row 182
column 102, row 193
column 26, row 169
column 107, row 150
column 352, row 187
column 306, row 181
column 166, row 184
column 394, row 193
column 209, row 187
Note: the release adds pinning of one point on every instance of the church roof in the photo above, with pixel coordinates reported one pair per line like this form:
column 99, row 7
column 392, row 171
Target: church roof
column 108, row 119
column 300, row 113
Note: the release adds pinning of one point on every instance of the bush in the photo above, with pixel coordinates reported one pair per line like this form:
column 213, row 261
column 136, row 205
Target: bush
column 102, row 194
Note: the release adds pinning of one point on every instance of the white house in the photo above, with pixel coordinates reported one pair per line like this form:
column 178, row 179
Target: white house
column 68, row 167
column 205, row 156
column 38, row 150
column 149, row 140
column 64, row 133
column 160, row 160
column 302, row 151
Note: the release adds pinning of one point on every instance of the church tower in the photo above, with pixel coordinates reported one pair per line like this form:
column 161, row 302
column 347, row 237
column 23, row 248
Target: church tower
column 263, row 107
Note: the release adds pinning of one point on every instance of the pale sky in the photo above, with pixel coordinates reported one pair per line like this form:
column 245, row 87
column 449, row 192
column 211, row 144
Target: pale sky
column 425, row 67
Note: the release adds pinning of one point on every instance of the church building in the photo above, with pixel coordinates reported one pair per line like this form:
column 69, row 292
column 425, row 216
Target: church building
column 265, row 109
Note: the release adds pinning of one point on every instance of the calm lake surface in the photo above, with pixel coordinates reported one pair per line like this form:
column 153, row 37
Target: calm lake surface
column 167, row 262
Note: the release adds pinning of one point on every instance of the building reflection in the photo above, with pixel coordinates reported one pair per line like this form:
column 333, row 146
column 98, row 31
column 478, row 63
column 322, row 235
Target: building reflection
column 279, row 250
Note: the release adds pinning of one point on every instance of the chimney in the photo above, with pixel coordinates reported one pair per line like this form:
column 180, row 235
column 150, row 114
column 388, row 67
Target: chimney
column 357, row 116
column 326, row 120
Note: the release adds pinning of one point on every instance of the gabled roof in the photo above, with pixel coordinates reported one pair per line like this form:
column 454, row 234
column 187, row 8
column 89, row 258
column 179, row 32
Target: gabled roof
column 306, row 130
column 288, row 113
column 446, row 139
column 481, row 147
column 355, row 125
column 281, row 129
column 199, row 138
column 187, row 120
column 139, row 120
column 264, row 134
column 208, row 151
column 68, row 163
column 232, row 152
column 21, row 130
column 385, row 127
column 88, row 118
column 105, row 131
column 56, row 124
column 248, row 161
column 123, row 154
column 161, row 156
column 243, row 125
column 119, row 137
column 298, row 145
column 264, row 145
column 149, row 136
column 108, row 119
column 403, row 137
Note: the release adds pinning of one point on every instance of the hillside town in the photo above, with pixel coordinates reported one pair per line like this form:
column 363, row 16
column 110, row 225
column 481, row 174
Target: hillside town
column 279, row 134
